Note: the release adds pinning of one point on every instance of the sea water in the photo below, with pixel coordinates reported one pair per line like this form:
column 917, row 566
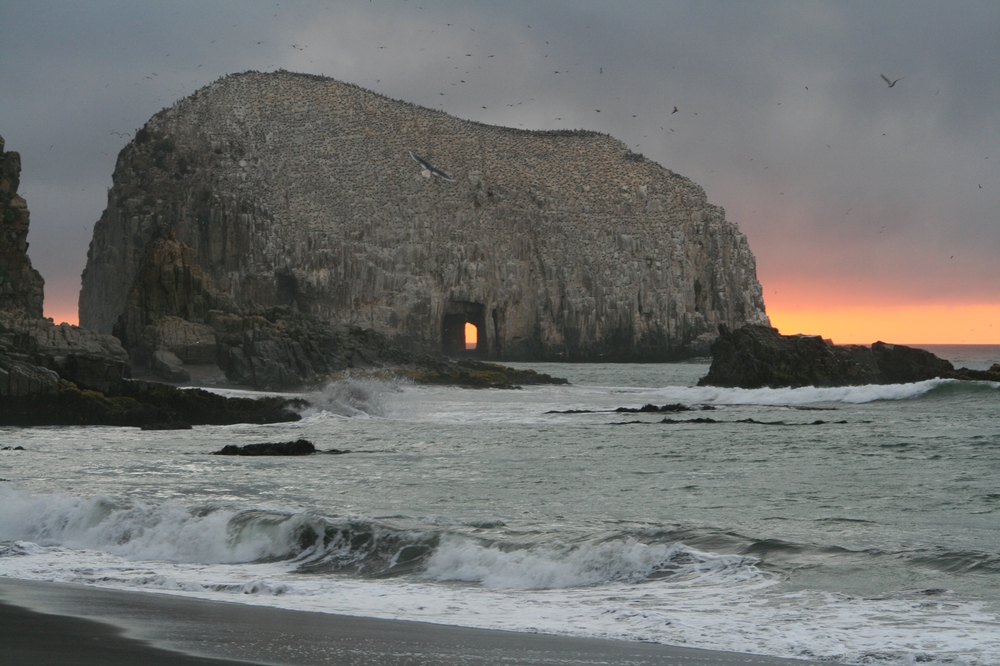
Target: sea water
column 857, row 524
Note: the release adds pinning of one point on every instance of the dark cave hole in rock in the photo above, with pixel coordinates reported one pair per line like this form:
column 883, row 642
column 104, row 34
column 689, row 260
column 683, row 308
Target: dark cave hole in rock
column 463, row 331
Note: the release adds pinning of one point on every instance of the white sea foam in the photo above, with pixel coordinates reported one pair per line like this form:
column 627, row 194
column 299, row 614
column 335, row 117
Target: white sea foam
column 798, row 396
column 555, row 566
column 713, row 610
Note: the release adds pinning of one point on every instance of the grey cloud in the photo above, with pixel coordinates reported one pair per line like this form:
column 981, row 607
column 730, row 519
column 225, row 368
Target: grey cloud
column 785, row 162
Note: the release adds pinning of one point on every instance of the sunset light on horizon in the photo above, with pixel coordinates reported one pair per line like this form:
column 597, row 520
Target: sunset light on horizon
column 911, row 324
column 903, row 324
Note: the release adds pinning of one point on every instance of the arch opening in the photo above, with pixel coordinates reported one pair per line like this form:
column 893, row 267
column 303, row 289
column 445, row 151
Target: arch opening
column 463, row 330
column 471, row 336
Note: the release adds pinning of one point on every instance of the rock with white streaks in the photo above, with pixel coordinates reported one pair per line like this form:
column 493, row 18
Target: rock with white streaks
column 300, row 191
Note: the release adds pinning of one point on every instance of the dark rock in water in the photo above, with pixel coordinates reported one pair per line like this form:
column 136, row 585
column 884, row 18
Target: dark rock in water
column 991, row 375
column 759, row 356
column 300, row 447
column 169, row 425
column 472, row 374
column 12, row 448
column 898, row 364
column 676, row 407
column 137, row 403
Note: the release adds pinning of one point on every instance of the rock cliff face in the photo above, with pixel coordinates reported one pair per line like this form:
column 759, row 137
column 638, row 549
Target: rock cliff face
column 65, row 375
column 21, row 286
column 300, row 191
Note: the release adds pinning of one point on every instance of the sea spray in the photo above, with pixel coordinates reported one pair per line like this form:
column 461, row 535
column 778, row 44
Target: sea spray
column 351, row 397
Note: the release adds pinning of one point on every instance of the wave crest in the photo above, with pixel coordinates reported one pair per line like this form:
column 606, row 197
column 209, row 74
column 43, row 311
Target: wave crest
column 578, row 565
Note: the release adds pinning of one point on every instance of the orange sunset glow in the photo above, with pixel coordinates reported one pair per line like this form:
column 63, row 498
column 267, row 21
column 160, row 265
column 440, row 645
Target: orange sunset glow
column 976, row 324
column 901, row 324
column 471, row 336
column 62, row 315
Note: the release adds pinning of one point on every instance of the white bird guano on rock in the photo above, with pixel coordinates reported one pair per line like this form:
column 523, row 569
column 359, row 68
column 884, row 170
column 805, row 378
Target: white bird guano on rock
column 300, row 190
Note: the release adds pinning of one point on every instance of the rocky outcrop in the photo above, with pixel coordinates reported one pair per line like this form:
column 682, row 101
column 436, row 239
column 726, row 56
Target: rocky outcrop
column 470, row 373
column 89, row 360
column 140, row 403
column 300, row 447
column 21, row 286
column 301, row 192
column 759, row 356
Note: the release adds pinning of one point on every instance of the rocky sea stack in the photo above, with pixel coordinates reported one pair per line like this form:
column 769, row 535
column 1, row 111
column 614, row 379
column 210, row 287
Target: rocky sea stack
column 337, row 204
column 21, row 286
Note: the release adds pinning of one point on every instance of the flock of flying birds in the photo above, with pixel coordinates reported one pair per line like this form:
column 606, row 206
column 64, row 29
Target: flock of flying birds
column 474, row 64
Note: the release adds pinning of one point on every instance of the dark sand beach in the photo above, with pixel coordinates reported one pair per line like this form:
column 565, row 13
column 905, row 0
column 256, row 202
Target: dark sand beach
column 52, row 623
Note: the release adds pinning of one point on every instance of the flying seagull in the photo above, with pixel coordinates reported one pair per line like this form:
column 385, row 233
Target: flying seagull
column 674, row 111
column 891, row 83
column 426, row 170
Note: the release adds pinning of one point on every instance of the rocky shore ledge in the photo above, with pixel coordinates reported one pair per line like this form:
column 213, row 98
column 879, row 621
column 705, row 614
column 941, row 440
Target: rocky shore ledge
column 759, row 356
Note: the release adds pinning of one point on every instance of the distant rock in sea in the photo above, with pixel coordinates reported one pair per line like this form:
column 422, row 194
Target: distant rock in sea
column 303, row 193
column 759, row 356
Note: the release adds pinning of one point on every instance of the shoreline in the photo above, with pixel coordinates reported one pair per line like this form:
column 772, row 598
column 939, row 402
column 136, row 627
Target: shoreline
column 58, row 623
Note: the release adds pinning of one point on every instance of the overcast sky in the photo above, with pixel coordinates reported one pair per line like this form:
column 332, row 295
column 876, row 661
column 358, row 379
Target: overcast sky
column 850, row 192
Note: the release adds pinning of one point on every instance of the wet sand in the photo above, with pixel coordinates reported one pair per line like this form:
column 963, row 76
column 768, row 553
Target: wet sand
column 53, row 623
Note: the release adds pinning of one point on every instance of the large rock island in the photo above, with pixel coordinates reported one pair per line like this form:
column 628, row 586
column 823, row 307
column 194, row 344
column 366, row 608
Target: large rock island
column 268, row 194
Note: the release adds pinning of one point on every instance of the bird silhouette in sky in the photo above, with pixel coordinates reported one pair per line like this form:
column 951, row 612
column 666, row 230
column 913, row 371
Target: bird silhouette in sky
column 674, row 111
column 891, row 83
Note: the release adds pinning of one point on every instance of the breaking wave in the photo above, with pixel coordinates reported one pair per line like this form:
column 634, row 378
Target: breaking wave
column 311, row 544
column 812, row 394
column 351, row 397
